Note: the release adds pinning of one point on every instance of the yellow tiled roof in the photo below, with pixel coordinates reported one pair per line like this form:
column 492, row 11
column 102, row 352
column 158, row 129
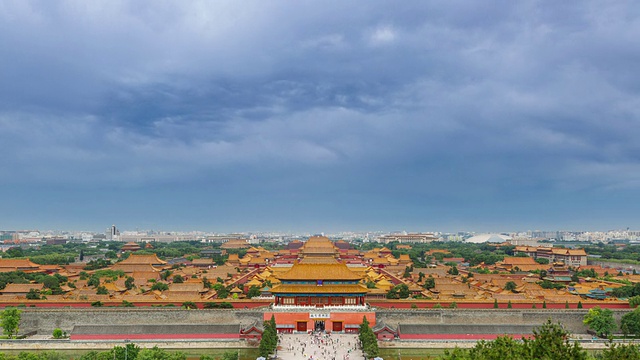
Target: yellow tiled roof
column 319, row 272
column 325, row 289
column 142, row 259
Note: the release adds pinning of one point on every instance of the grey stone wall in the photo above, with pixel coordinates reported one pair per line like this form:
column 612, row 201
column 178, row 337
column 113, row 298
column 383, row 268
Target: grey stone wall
column 571, row 319
column 44, row 321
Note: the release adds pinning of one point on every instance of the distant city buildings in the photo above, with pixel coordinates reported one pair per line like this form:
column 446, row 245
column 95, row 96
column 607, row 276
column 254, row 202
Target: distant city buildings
column 408, row 238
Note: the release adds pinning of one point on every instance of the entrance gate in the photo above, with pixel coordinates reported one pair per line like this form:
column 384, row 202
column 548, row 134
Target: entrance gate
column 319, row 325
column 337, row 326
column 301, row 326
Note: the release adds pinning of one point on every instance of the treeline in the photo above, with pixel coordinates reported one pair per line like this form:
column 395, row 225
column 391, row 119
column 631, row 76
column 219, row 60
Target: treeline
column 550, row 341
column 51, row 283
column 71, row 252
column 473, row 253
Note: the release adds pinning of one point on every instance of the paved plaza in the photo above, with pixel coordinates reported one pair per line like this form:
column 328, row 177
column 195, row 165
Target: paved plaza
column 319, row 346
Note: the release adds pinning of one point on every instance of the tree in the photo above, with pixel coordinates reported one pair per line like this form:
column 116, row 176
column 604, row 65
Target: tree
column 634, row 301
column 33, row 294
column 549, row 342
column 129, row 283
column 230, row 355
column 392, row 293
column 621, row 351
column 403, row 291
column 630, row 322
column 453, row 271
column 10, row 320
column 128, row 352
column 495, row 303
column 579, row 305
column 178, row 279
column 94, row 281
column 156, row 353
column 101, row 290
column 160, row 286
column 57, row 333
column 368, row 339
column 509, row 306
column 510, row 286
column 189, row 305
column 430, row 283
column 407, row 272
column 254, row 291
column 269, row 340
column 600, row 320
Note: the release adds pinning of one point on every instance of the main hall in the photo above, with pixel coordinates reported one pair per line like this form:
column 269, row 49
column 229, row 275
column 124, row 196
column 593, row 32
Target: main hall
column 319, row 292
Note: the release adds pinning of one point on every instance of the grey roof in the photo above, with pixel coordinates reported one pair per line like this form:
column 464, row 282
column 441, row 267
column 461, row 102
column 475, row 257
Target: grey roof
column 465, row 329
column 257, row 324
column 155, row 329
column 381, row 325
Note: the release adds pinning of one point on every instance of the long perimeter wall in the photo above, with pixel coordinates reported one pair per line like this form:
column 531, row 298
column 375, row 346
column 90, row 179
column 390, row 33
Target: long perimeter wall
column 44, row 321
column 571, row 319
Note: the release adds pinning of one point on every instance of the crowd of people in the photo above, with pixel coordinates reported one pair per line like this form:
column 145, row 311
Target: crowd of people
column 319, row 346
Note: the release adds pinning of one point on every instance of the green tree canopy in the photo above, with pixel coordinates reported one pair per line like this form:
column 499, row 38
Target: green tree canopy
column 10, row 320
column 630, row 322
column 549, row 342
column 510, row 286
column 600, row 320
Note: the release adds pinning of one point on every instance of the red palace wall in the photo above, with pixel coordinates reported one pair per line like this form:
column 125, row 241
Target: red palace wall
column 152, row 336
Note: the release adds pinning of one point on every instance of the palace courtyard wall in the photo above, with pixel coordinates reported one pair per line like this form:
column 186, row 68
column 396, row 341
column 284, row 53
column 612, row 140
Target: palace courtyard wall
column 44, row 321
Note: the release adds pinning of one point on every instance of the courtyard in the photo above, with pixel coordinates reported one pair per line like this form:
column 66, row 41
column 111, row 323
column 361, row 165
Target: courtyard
column 319, row 346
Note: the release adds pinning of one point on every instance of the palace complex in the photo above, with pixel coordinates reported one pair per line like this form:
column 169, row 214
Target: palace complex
column 317, row 284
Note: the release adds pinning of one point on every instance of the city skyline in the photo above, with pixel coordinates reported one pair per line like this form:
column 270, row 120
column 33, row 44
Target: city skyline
column 319, row 117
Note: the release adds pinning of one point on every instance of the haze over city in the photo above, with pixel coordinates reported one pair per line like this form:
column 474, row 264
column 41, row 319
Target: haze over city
column 319, row 116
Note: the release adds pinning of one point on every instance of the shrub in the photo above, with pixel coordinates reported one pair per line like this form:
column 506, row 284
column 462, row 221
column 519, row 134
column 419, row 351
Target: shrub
column 189, row 305
column 97, row 303
column 57, row 333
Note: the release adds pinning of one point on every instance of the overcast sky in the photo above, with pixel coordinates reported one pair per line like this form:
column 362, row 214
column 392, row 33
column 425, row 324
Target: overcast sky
column 320, row 115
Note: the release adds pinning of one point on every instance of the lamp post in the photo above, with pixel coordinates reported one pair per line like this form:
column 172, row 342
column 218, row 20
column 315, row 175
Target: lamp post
column 126, row 349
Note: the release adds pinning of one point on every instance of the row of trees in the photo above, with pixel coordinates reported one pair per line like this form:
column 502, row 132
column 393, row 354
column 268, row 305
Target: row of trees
column 368, row 339
column 550, row 342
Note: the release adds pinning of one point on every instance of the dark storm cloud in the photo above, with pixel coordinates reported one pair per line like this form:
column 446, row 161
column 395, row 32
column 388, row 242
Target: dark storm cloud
column 420, row 106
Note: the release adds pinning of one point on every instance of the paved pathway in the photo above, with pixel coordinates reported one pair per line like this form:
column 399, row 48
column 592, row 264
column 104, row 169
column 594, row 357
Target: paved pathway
column 319, row 347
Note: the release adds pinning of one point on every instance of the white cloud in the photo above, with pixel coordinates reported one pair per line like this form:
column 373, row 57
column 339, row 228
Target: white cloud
column 383, row 35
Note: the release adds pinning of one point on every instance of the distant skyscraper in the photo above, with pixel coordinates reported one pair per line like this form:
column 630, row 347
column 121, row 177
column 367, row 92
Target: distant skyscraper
column 113, row 233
